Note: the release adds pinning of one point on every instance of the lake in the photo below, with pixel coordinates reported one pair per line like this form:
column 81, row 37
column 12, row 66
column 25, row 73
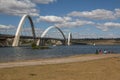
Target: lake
column 8, row 54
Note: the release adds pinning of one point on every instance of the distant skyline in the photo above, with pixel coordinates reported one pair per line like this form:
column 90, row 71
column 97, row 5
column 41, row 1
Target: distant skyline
column 83, row 18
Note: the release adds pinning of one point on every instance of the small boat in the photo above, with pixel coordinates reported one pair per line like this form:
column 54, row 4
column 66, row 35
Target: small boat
column 54, row 45
column 94, row 44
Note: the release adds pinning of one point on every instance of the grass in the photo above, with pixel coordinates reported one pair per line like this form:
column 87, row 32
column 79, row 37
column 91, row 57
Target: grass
column 40, row 47
column 34, row 46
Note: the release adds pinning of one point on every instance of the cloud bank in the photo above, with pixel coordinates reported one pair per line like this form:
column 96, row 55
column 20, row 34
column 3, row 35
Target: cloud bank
column 77, row 23
column 43, row 1
column 6, row 26
column 100, row 18
column 106, row 26
column 53, row 19
column 98, row 14
column 21, row 7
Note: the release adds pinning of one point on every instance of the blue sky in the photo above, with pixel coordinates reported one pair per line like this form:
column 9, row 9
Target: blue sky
column 83, row 18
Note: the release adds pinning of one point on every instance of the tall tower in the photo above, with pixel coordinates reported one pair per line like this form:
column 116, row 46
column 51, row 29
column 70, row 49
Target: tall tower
column 69, row 38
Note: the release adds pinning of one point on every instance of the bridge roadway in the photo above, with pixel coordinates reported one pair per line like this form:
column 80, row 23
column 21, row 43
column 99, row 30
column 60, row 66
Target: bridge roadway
column 5, row 36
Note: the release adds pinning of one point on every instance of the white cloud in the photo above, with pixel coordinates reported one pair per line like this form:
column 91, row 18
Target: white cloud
column 53, row 19
column 77, row 23
column 6, row 26
column 21, row 7
column 100, row 14
column 117, row 13
column 43, row 1
column 18, row 7
column 64, row 21
column 102, row 27
column 106, row 26
column 112, row 24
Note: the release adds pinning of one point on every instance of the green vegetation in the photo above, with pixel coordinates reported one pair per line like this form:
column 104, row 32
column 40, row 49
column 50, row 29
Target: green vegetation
column 34, row 46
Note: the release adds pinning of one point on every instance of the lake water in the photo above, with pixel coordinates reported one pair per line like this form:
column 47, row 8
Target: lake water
column 8, row 54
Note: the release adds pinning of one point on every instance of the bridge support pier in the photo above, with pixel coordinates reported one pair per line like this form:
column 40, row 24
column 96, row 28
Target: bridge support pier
column 64, row 42
column 3, row 43
column 41, row 42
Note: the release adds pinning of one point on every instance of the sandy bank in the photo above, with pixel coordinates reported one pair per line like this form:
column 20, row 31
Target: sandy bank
column 87, row 67
column 57, row 60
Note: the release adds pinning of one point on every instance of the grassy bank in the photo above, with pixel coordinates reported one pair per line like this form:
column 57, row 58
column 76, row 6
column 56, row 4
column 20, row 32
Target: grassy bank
column 102, row 69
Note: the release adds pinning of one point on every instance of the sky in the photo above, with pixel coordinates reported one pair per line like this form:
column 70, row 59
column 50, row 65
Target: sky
column 83, row 18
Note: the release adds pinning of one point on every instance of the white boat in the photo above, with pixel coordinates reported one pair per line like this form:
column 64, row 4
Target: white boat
column 94, row 44
column 54, row 45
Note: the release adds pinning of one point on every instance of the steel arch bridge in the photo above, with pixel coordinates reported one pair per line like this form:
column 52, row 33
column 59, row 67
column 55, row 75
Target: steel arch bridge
column 18, row 31
column 17, row 35
column 45, row 32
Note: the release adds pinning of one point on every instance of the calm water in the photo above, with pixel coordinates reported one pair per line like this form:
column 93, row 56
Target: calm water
column 25, row 53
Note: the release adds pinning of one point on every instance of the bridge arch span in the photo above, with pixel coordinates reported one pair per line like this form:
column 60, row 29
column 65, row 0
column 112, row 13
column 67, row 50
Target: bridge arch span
column 45, row 32
column 17, row 35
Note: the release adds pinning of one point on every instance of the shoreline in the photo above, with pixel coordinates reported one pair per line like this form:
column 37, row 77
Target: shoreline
column 49, row 58
column 102, row 67
column 61, row 60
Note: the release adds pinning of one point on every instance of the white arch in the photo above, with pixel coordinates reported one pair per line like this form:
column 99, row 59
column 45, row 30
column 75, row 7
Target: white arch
column 69, row 38
column 17, row 35
column 44, row 33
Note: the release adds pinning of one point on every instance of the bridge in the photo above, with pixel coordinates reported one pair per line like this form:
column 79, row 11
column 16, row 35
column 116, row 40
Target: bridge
column 5, row 36
column 39, row 40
